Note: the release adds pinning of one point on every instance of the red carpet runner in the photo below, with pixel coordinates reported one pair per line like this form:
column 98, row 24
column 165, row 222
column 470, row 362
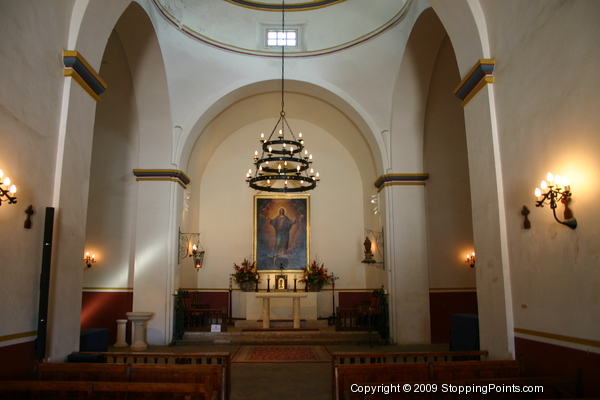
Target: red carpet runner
column 281, row 354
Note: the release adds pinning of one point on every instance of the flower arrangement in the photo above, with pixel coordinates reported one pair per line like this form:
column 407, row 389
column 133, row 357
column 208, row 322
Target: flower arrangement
column 247, row 272
column 315, row 274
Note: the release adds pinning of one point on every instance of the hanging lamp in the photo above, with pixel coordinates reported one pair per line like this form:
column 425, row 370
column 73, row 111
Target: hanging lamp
column 283, row 165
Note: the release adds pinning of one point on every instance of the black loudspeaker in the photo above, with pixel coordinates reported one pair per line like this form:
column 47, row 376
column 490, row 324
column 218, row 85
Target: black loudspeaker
column 40, row 342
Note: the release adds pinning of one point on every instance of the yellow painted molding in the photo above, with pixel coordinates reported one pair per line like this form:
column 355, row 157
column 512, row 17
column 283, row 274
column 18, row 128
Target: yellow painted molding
column 15, row 336
column 76, row 67
column 112, row 289
column 457, row 289
column 173, row 175
column 561, row 338
column 480, row 75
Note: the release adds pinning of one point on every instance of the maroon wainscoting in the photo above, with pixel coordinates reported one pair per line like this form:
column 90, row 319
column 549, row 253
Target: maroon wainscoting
column 353, row 299
column 215, row 300
column 543, row 359
column 103, row 309
column 17, row 362
column 442, row 305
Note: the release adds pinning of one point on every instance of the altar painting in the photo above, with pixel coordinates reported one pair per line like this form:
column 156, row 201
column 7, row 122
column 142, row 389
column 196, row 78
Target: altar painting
column 281, row 232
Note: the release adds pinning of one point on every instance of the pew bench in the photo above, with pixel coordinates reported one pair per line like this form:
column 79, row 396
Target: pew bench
column 217, row 358
column 393, row 358
column 345, row 375
column 212, row 377
column 15, row 390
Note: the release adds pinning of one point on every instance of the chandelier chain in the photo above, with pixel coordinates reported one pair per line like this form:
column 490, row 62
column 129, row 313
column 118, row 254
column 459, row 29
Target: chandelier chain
column 283, row 58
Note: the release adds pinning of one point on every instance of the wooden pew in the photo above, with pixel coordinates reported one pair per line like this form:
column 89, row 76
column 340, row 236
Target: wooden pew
column 213, row 377
column 359, row 358
column 379, row 358
column 109, row 390
column 166, row 358
column 82, row 372
column 216, row 358
column 344, row 375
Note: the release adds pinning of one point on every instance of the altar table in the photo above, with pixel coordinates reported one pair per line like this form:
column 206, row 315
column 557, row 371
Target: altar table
column 266, row 308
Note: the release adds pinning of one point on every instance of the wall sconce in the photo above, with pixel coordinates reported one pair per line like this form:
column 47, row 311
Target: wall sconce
column 89, row 260
column 197, row 251
column 375, row 200
column 198, row 256
column 471, row 259
column 555, row 190
column 7, row 190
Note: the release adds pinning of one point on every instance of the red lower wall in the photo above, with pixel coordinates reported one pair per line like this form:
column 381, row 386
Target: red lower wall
column 17, row 362
column 353, row 299
column 215, row 300
column 543, row 359
column 442, row 305
column 103, row 309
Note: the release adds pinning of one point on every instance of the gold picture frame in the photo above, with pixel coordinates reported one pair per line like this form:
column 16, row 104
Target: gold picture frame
column 281, row 232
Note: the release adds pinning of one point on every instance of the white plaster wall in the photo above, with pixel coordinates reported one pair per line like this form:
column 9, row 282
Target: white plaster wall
column 448, row 196
column 110, row 227
column 546, row 95
column 30, row 102
column 226, row 207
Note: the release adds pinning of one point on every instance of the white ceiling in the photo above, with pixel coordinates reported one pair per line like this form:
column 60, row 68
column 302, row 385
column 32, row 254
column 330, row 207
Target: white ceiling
column 325, row 25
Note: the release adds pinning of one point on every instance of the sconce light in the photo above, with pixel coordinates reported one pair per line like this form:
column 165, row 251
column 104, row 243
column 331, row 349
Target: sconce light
column 89, row 260
column 551, row 192
column 375, row 200
column 471, row 259
column 198, row 256
column 7, row 190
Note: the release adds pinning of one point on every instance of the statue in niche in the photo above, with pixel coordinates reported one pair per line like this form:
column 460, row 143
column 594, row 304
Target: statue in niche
column 280, row 282
column 368, row 253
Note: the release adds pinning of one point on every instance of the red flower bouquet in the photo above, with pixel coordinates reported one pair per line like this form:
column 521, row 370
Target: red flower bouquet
column 247, row 272
column 315, row 274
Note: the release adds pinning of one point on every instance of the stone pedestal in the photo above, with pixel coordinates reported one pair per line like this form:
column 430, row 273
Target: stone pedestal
column 121, row 333
column 139, row 319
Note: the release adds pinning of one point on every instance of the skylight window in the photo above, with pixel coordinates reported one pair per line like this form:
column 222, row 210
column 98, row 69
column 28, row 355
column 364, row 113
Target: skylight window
column 278, row 37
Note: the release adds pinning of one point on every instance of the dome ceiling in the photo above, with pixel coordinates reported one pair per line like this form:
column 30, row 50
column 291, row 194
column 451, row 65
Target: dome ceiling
column 324, row 26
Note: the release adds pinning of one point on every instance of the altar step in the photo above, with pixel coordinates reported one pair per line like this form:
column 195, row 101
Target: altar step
column 277, row 335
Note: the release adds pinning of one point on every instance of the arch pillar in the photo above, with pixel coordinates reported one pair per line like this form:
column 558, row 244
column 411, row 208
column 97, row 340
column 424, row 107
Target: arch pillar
column 406, row 256
column 155, row 258
column 494, row 299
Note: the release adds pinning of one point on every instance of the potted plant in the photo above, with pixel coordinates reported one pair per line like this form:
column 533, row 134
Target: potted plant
column 246, row 275
column 315, row 276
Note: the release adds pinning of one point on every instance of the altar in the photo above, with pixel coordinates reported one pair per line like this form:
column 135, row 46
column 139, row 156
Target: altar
column 281, row 305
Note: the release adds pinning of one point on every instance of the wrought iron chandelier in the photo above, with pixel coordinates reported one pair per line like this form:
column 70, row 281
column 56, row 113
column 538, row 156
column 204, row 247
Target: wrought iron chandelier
column 283, row 165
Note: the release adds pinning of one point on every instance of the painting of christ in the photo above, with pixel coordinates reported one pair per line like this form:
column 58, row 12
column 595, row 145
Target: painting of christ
column 281, row 232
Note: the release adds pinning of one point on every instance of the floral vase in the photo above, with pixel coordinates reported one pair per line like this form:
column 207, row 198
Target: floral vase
column 314, row 287
column 248, row 286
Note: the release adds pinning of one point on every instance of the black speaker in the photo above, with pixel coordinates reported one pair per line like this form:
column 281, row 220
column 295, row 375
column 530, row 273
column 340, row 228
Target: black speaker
column 40, row 342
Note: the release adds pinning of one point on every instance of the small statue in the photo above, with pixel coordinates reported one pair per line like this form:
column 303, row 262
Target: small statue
column 368, row 254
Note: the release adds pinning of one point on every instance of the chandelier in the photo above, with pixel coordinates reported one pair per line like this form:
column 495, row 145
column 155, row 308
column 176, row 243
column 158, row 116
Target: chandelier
column 283, row 165
column 7, row 191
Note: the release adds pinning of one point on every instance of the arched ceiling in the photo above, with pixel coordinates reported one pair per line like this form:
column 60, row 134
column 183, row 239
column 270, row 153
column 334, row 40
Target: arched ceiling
column 325, row 26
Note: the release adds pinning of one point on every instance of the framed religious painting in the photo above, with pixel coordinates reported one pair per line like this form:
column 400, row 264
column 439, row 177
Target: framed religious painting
column 281, row 232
